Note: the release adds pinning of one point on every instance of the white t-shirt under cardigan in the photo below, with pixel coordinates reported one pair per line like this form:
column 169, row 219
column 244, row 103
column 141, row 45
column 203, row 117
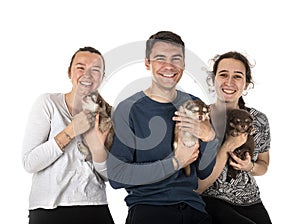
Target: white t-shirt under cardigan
column 59, row 178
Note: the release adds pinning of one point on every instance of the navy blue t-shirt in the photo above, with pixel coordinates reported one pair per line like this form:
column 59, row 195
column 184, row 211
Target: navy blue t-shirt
column 140, row 158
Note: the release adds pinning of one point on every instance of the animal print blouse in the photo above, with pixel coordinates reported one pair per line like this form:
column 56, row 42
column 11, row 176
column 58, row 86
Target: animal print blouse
column 243, row 190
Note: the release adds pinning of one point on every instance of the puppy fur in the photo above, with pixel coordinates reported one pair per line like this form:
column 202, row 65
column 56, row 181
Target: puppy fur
column 95, row 103
column 240, row 121
column 195, row 109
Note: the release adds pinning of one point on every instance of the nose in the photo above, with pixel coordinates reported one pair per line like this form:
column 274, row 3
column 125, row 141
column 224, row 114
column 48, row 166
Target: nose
column 229, row 80
column 168, row 63
column 87, row 72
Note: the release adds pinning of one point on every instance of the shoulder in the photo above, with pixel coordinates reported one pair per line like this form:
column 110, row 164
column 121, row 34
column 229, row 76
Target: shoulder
column 133, row 99
column 125, row 106
column 262, row 135
column 258, row 115
column 184, row 96
column 50, row 97
column 260, row 122
column 48, row 100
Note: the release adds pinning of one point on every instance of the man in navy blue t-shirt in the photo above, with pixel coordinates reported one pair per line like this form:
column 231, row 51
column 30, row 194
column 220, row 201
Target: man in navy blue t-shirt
column 142, row 159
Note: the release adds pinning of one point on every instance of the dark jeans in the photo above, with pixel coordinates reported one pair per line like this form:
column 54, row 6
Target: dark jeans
column 226, row 213
column 94, row 214
column 173, row 214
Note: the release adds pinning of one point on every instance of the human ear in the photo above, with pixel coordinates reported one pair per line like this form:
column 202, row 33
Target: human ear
column 69, row 73
column 147, row 63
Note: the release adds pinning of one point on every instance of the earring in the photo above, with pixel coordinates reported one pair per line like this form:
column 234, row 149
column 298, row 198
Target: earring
column 245, row 92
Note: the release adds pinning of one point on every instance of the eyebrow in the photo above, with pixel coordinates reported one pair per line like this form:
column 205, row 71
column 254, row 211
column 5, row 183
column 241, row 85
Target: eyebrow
column 94, row 66
column 234, row 72
column 163, row 56
column 159, row 56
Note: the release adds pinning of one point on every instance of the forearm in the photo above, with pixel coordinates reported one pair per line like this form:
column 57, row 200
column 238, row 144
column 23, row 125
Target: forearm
column 99, row 153
column 211, row 136
column 40, row 149
column 260, row 167
column 40, row 157
column 208, row 158
column 64, row 137
column 221, row 160
column 124, row 174
column 101, row 168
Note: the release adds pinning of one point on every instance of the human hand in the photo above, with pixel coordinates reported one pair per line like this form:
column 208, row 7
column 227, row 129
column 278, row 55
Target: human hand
column 95, row 140
column 94, row 137
column 239, row 164
column 233, row 142
column 197, row 127
column 82, row 122
column 186, row 155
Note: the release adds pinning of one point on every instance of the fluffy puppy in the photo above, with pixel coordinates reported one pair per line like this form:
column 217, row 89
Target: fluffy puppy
column 95, row 103
column 238, row 122
column 195, row 109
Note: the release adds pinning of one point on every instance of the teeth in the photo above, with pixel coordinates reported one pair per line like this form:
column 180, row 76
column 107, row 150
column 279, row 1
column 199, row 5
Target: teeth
column 168, row 75
column 86, row 83
column 228, row 91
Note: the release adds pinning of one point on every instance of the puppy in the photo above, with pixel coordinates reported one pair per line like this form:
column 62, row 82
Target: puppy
column 95, row 103
column 195, row 109
column 240, row 121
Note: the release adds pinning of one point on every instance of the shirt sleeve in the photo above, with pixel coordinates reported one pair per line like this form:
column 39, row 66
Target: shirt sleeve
column 38, row 150
column 208, row 158
column 262, row 136
column 123, row 171
column 101, row 169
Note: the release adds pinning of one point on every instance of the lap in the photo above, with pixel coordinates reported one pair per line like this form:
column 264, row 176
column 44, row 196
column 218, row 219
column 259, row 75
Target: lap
column 175, row 214
column 223, row 212
column 72, row 214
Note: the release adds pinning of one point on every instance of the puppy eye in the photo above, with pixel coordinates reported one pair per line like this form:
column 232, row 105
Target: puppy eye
column 196, row 109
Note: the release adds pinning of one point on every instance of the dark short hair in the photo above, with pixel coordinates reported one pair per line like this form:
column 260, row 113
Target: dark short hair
column 165, row 36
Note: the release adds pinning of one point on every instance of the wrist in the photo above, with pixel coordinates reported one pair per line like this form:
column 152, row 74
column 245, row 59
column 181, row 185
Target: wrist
column 69, row 131
column 252, row 168
column 210, row 136
column 177, row 164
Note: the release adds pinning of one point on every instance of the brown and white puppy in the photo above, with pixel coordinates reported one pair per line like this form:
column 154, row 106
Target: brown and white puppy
column 195, row 109
column 240, row 121
column 95, row 103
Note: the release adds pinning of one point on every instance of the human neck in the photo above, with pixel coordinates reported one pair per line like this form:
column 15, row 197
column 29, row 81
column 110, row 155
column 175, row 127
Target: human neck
column 225, row 105
column 74, row 103
column 161, row 95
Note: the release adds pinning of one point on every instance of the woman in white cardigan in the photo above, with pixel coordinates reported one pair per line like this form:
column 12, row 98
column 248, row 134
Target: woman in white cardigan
column 67, row 188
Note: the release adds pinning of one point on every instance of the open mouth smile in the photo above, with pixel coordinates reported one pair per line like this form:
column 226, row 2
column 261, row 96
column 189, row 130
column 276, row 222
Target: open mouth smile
column 168, row 75
column 228, row 91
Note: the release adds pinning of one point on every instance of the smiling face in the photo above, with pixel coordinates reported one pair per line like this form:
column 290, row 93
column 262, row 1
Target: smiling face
column 230, row 80
column 166, row 62
column 86, row 72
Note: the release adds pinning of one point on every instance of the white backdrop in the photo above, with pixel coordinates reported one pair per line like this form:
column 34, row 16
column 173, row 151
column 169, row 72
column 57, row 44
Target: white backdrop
column 38, row 39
